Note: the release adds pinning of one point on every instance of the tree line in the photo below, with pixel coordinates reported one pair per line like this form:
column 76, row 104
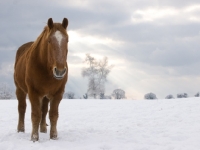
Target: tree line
column 96, row 72
column 170, row 96
column 116, row 94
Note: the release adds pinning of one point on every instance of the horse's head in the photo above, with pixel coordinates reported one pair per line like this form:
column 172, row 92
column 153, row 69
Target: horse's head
column 57, row 40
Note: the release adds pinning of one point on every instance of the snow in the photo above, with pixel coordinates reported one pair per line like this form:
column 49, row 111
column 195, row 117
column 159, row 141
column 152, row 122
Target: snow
column 110, row 125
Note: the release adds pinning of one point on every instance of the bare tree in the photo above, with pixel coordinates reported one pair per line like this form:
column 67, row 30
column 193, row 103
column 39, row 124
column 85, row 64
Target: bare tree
column 69, row 95
column 102, row 96
column 182, row 95
column 97, row 72
column 118, row 94
column 85, row 96
column 169, row 97
column 197, row 95
column 150, row 96
column 5, row 91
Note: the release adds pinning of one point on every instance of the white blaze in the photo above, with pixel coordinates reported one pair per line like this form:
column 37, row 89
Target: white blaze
column 59, row 37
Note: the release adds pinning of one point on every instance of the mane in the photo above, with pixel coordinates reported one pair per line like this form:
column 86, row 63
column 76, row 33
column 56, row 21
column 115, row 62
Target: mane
column 25, row 47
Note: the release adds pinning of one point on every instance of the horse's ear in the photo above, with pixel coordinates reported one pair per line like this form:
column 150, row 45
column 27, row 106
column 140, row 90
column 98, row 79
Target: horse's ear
column 50, row 23
column 65, row 23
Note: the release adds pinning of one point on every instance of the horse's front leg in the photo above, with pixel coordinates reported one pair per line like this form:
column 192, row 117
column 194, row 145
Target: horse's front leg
column 36, row 114
column 21, row 96
column 53, row 115
column 44, row 108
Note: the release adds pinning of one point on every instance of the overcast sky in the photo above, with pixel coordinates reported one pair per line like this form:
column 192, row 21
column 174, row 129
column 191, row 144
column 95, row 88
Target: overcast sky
column 154, row 45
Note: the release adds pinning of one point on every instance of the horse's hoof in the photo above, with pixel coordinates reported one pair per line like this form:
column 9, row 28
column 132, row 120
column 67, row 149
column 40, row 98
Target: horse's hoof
column 34, row 138
column 54, row 137
column 20, row 129
column 43, row 130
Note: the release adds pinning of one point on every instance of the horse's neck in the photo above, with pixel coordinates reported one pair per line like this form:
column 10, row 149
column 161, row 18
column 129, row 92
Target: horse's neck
column 40, row 50
column 43, row 51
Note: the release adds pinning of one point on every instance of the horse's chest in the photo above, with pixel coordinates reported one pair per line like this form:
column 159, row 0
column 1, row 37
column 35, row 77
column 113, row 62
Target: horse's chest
column 45, row 84
column 50, row 86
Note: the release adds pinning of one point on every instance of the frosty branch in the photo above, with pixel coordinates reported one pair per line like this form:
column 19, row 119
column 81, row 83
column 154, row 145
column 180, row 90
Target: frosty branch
column 96, row 72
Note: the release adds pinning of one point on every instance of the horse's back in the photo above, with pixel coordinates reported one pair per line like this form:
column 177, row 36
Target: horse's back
column 22, row 49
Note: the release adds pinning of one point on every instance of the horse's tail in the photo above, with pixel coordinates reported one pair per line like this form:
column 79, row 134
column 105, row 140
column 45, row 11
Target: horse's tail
column 22, row 49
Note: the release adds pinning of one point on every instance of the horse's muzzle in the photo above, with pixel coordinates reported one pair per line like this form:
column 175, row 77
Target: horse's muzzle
column 59, row 74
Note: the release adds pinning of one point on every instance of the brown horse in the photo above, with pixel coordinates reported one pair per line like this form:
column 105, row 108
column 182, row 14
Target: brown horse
column 41, row 71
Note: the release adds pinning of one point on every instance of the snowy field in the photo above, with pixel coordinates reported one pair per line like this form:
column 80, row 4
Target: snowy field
column 110, row 125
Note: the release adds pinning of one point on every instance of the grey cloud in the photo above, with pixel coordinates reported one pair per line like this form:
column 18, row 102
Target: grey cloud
column 7, row 56
column 178, row 3
column 178, row 44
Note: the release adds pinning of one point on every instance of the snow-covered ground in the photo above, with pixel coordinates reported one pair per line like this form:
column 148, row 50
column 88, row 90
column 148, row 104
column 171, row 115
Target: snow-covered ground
column 110, row 125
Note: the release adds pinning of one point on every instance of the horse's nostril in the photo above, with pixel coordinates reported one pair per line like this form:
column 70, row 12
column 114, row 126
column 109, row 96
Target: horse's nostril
column 59, row 73
column 64, row 70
